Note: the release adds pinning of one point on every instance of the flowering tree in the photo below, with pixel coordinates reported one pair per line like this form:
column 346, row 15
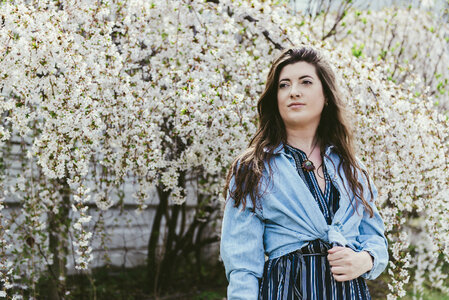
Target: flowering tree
column 52, row 98
column 411, row 41
column 164, row 93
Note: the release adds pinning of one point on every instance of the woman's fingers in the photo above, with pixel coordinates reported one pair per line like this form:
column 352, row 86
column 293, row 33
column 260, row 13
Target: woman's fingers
column 338, row 254
column 342, row 273
column 340, row 263
column 341, row 277
column 338, row 270
column 335, row 249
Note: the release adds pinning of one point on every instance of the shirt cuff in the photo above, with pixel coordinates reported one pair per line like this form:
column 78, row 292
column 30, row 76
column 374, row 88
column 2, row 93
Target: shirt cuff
column 369, row 274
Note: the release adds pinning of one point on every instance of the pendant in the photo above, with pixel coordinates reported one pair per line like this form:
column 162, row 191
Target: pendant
column 308, row 166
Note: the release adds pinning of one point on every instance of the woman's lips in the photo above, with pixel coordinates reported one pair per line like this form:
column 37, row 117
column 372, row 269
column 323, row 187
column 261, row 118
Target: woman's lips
column 296, row 105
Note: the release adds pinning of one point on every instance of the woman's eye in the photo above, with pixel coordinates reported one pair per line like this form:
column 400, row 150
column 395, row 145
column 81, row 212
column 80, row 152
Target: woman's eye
column 282, row 85
column 307, row 82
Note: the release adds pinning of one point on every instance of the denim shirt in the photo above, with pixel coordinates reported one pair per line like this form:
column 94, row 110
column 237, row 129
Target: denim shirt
column 289, row 217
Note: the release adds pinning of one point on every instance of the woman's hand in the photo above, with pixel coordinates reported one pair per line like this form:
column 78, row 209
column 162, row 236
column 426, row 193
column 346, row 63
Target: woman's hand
column 346, row 264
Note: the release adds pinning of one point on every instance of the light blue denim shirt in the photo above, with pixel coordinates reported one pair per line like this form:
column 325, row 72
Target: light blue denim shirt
column 288, row 219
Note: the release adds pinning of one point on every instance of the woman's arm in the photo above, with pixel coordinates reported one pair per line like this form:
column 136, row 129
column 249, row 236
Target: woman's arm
column 242, row 251
column 372, row 239
column 371, row 258
column 372, row 232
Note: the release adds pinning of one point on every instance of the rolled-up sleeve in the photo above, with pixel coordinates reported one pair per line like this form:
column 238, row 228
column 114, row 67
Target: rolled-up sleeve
column 372, row 236
column 242, row 250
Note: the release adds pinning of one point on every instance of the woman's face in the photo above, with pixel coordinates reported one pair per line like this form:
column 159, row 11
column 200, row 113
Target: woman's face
column 300, row 95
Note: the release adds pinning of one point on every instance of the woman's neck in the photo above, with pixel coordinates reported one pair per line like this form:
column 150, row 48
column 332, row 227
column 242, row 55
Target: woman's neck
column 303, row 139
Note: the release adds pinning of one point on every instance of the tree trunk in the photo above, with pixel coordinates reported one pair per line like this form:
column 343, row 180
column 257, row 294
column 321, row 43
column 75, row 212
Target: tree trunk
column 152, row 262
column 58, row 228
column 169, row 258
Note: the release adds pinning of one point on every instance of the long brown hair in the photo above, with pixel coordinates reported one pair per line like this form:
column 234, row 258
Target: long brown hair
column 333, row 129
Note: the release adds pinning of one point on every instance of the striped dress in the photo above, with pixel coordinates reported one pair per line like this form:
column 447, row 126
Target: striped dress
column 305, row 273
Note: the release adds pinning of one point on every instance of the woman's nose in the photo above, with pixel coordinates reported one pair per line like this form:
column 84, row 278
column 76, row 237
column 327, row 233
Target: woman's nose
column 295, row 91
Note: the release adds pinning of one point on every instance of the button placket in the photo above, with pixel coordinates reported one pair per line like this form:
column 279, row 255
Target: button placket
column 333, row 175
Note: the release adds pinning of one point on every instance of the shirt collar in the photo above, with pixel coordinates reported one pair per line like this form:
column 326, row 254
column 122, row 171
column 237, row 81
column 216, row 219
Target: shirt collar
column 279, row 149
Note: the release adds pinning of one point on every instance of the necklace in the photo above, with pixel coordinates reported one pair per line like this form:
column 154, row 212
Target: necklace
column 308, row 165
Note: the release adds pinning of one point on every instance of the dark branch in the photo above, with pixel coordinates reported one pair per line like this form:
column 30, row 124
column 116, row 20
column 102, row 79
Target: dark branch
column 276, row 45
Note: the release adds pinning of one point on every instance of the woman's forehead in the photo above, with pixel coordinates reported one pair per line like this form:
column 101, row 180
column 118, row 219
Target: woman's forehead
column 297, row 70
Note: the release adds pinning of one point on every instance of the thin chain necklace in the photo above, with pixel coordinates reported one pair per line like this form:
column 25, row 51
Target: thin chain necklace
column 308, row 165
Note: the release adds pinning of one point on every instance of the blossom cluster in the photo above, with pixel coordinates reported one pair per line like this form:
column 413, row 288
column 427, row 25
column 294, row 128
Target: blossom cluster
column 410, row 43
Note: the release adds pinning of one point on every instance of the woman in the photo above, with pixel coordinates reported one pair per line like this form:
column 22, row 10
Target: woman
column 300, row 196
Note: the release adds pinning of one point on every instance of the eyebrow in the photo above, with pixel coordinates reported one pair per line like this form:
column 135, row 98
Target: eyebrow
column 303, row 76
